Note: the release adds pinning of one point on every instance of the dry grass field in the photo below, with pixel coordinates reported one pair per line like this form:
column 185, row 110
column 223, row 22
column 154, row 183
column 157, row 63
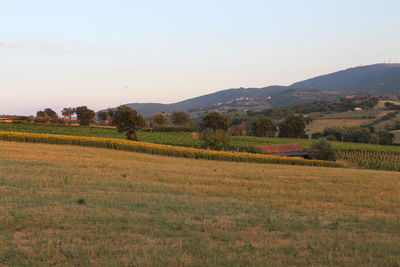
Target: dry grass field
column 66, row 205
column 381, row 103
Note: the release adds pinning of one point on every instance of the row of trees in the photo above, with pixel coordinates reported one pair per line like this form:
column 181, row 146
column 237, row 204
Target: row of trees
column 123, row 116
column 216, row 128
column 84, row 115
column 357, row 135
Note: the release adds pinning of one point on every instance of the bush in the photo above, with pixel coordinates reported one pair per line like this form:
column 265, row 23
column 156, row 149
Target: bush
column 331, row 138
column 215, row 139
column 322, row 150
column 385, row 137
column 374, row 139
column 316, row 135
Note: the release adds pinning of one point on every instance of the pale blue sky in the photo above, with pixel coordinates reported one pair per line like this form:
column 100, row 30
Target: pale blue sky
column 105, row 53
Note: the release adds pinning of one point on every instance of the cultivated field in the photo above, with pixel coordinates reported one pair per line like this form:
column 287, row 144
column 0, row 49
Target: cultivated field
column 319, row 125
column 378, row 156
column 68, row 205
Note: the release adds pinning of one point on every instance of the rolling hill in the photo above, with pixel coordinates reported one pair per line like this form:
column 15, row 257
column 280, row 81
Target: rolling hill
column 378, row 78
column 371, row 79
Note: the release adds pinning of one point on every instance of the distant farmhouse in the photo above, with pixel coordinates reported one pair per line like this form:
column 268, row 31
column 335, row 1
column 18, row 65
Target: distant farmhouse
column 289, row 150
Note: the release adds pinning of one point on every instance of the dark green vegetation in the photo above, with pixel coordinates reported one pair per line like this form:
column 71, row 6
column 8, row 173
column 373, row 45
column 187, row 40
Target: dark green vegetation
column 322, row 149
column 65, row 205
column 324, row 107
column 85, row 115
column 127, row 121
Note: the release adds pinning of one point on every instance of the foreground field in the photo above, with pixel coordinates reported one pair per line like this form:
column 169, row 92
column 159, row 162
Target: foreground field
column 88, row 206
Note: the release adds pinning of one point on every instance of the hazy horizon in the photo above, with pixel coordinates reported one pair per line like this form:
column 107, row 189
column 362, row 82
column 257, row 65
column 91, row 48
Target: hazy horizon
column 103, row 53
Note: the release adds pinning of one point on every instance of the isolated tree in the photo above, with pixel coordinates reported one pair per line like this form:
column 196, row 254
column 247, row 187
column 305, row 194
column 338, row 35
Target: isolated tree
column 263, row 126
column 159, row 119
column 128, row 121
column 322, row 149
column 180, row 118
column 216, row 121
column 68, row 112
column 292, row 126
column 85, row 115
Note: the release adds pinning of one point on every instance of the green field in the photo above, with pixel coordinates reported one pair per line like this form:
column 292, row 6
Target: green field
column 74, row 206
column 362, row 114
column 177, row 138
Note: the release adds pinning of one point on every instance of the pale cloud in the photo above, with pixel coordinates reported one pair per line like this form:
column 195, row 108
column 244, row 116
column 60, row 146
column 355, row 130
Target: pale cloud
column 42, row 46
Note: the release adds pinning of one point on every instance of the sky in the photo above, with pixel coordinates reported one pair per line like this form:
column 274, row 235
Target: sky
column 62, row 53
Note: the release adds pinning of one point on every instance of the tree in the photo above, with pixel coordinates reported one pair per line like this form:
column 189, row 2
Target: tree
column 128, row 120
column 50, row 113
column 180, row 118
column 240, row 129
column 215, row 139
column 41, row 114
column 68, row 112
column 103, row 117
column 47, row 113
column 374, row 139
column 85, row 115
column 263, row 126
column 216, row 121
column 159, row 119
column 385, row 137
column 292, row 126
column 322, row 149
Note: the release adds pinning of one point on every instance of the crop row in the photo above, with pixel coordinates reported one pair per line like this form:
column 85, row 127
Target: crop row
column 372, row 160
column 159, row 149
column 242, row 143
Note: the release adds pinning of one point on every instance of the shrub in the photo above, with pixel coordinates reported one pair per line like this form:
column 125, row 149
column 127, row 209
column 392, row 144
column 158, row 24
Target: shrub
column 374, row 139
column 322, row 150
column 215, row 139
column 385, row 137
column 331, row 138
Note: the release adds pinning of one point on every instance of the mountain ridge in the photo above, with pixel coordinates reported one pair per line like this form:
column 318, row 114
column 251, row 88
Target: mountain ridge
column 369, row 79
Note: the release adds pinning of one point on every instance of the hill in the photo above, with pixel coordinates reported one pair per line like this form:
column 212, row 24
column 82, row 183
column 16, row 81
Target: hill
column 378, row 78
column 75, row 206
column 372, row 79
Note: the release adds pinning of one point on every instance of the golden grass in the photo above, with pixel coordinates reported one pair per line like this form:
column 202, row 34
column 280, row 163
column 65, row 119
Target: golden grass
column 381, row 103
column 146, row 210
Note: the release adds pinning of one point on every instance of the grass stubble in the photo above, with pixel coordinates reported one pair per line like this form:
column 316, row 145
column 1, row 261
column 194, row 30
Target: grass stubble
column 67, row 205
